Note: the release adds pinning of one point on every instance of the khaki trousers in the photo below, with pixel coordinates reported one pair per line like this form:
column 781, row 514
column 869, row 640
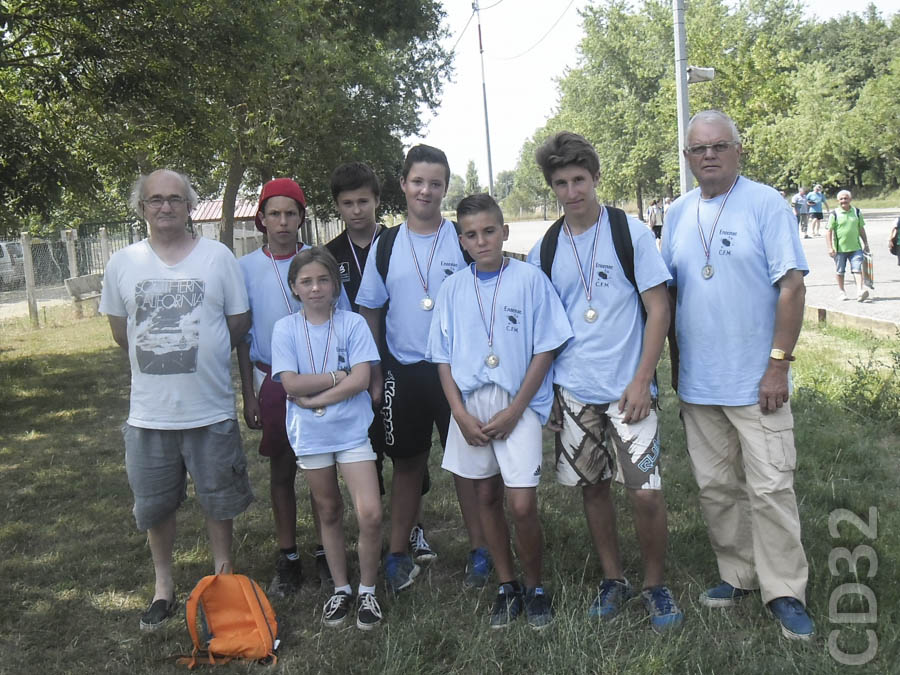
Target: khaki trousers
column 744, row 463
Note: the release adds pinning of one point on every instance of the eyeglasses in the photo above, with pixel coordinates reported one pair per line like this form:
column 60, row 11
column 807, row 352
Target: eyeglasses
column 717, row 148
column 157, row 202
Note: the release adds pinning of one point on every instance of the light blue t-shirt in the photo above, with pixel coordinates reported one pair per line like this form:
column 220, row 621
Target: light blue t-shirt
column 267, row 301
column 407, row 324
column 725, row 324
column 817, row 199
column 345, row 424
column 602, row 359
column 529, row 319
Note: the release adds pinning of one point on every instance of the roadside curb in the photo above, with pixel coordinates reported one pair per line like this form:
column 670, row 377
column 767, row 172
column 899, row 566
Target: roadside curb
column 831, row 317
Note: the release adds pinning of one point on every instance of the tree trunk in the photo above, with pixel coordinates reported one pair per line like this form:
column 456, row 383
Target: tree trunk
column 232, row 184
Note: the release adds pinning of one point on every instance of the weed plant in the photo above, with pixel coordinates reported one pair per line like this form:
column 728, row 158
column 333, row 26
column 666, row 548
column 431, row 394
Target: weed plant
column 76, row 574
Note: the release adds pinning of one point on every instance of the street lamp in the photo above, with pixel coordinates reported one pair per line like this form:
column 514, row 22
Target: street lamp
column 684, row 74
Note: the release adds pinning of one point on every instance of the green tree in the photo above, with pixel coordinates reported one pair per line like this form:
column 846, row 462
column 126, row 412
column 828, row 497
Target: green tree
column 473, row 186
column 455, row 192
column 503, row 184
column 220, row 89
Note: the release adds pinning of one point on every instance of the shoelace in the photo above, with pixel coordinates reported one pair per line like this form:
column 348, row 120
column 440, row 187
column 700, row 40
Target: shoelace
column 367, row 602
column 420, row 538
column 662, row 601
column 334, row 602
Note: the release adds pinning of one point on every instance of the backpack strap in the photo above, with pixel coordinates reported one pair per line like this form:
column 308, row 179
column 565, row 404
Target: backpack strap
column 190, row 608
column 548, row 246
column 621, row 236
column 385, row 246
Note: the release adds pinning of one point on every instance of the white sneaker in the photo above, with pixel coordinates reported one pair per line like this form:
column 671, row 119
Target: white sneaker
column 842, row 296
column 863, row 296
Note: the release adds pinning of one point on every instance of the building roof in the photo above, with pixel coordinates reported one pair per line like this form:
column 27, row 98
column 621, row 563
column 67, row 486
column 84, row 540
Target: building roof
column 210, row 211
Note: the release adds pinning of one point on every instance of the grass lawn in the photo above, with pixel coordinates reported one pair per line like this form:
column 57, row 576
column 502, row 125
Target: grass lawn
column 76, row 574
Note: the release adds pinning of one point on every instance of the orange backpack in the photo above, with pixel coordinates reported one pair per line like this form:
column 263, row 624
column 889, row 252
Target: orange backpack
column 237, row 621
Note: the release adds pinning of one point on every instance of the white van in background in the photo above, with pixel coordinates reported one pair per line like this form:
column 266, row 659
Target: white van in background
column 12, row 264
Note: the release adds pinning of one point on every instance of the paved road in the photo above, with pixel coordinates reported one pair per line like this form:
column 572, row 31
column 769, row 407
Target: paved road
column 878, row 313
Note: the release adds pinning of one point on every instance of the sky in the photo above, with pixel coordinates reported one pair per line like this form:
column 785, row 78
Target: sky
column 528, row 45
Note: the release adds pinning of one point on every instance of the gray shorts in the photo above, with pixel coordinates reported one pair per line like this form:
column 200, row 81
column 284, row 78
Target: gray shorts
column 157, row 461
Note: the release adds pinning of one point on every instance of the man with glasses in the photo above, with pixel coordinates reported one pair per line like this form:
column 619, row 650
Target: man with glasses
column 737, row 279
column 177, row 306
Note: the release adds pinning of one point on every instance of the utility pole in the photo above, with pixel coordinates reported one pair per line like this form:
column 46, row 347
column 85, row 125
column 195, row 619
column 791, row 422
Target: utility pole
column 487, row 128
column 681, row 94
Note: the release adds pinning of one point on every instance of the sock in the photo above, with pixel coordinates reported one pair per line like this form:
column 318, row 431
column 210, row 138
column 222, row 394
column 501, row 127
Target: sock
column 320, row 550
column 366, row 589
column 346, row 590
column 290, row 553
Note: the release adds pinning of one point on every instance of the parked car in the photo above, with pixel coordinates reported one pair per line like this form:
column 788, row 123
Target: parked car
column 12, row 264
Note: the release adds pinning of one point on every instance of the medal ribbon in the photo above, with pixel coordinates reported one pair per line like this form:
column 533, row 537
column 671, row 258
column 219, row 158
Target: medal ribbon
column 489, row 331
column 707, row 244
column 584, row 283
column 312, row 362
column 284, row 294
column 424, row 280
column 353, row 248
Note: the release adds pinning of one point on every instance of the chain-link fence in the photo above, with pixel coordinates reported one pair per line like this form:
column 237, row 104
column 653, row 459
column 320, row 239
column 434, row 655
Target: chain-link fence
column 86, row 249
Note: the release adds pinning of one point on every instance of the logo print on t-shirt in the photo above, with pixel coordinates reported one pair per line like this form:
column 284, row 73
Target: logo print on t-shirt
column 725, row 241
column 447, row 271
column 167, row 325
column 344, row 268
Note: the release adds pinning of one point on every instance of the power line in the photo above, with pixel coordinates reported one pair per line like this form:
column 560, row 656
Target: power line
column 543, row 37
column 463, row 31
column 491, row 6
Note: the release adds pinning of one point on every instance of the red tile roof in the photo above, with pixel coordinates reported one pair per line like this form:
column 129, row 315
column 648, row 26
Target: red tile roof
column 210, row 211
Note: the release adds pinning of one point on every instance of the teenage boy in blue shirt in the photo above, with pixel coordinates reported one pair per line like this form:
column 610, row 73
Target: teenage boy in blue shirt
column 356, row 192
column 495, row 328
column 605, row 407
column 425, row 252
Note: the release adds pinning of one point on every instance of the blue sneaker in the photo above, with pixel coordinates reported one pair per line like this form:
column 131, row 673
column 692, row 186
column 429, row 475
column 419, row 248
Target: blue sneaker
column 538, row 608
column 795, row 622
column 507, row 606
column 399, row 571
column 723, row 595
column 664, row 613
column 611, row 598
column 478, row 568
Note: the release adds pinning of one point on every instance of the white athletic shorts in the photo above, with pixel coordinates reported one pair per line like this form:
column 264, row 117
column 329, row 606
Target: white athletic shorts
column 517, row 458
column 322, row 460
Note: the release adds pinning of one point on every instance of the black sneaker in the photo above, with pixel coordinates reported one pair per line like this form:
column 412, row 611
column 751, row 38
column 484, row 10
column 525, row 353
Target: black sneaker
column 158, row 613
column 421, row 551
column 368, row 613
column 507, row 606
column 288, row 577
column 538, row 608
column 336, row 609
column 322, row 570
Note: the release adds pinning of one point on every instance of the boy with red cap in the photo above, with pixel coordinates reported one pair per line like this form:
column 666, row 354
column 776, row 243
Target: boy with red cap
column 281, row 212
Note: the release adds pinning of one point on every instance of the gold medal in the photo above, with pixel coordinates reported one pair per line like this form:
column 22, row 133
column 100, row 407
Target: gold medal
column 426, row 304
column 590, row 315
column 492, row 360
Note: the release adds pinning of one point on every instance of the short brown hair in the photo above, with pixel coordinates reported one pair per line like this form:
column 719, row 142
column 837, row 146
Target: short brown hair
column 318, row 254
column 479, row 203
column 564, row 149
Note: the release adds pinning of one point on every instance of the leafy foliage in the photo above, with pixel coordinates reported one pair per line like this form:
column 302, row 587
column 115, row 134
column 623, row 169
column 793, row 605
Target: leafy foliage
column 231, row 93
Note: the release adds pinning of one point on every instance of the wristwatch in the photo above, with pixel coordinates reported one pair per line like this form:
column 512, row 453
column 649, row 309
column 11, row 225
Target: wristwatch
column 779, row 355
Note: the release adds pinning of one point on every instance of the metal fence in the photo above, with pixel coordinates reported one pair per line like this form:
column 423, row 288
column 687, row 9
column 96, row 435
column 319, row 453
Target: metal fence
column 86, row 250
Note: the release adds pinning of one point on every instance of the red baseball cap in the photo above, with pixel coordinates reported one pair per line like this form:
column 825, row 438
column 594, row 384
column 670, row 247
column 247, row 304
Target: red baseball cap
column 279, row 187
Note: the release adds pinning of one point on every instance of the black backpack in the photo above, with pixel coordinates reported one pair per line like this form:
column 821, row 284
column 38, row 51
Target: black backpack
column 621, row 236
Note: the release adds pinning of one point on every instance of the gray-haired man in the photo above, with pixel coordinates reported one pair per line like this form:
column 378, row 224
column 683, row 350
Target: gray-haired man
column 177, row 304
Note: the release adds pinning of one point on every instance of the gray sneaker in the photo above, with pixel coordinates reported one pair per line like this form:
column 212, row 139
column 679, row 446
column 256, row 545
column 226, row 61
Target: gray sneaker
column 507, row 606
column 287, row 579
